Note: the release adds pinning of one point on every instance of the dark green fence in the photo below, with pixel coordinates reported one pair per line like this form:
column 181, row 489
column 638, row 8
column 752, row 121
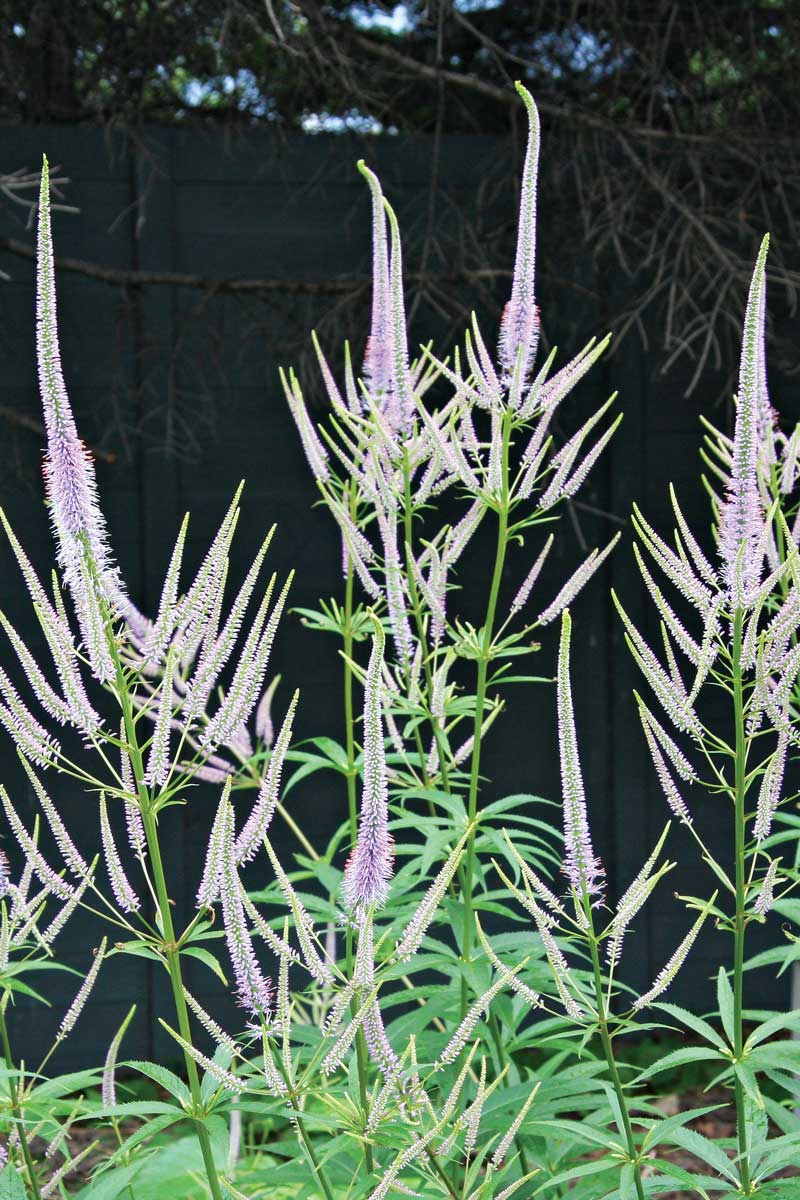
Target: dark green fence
column 176, row 389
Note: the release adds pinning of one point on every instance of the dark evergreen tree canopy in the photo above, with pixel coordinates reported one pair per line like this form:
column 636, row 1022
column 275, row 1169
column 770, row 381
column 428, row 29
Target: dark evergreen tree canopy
column 675, row 123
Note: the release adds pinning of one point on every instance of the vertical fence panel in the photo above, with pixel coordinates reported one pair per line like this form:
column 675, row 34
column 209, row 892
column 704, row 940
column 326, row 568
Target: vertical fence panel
column 150, row 367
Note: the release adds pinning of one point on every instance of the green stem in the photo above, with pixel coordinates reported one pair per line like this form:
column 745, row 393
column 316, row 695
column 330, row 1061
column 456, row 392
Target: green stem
column 503, row 1060
column 16, row 1107
column 608, row 1052
column 352, row 808
column 740, row 787
column 169, row 947
column 451, row 1188
column 291, row 1096
column 408, row 526
column 172, row 955
column 350, row 741
column 309, row 1145
column 467, row 939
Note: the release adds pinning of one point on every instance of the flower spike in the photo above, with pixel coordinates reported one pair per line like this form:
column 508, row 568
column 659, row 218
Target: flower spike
column 69, row 473
column 367, row 874
column 378, row 367
column 519, row 329
column 581, row 865
column 741, row 520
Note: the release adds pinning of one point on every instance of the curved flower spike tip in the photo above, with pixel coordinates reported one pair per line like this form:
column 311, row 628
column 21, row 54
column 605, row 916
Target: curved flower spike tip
column 742, row 517
column 581, row 865
column 70, row 482
column 386, row 368
column 377, row 355
column 69, row 472
column 369, row 868
column 519, row 328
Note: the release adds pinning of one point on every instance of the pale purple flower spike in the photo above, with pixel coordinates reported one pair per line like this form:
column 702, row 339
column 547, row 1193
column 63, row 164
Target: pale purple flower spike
column 369, row 868
column 69, row 473
column 378, row 354
column 253, row 989
column 581, row 865
column 519, row 329
column 741, row 521
column 70, row 481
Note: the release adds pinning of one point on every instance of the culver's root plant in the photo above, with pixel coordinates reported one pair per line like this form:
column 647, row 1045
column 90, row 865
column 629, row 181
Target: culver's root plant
column 431, row 1003
column 743, row 643
column 168, row 729
column 383, row 462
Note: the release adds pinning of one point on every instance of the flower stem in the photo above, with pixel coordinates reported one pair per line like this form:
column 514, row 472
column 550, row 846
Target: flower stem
column 309, row 1145
column 740, row 787
column 352, row 809
column 16, row 1107
column 349, row 732
column 408, row 530
column 169, row 947
column 608, row 1052
column 468, row 934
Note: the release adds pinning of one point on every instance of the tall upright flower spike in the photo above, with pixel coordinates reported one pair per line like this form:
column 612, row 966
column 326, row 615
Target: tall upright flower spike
column 576, row 582
column 59, row 640
column 535, row 882
column 253, row 990
column 226, row 1078
column 303, row 924
column 335, row 1057
column 108, row 1088
column 369, row 869
column 670, row 692
column 466, row 1027
column 52, row 703
column 565, row 982
column 504, row 1145
column 51, row 932
column 31, row 852
column 76, row 1008
column 378, row 1045
column 668, row 785
column 265, row 931
column 248, row 679
column 158, row 761
column 741, row 519
column 566, row 477
column 315, row 452
column 581, row 865
column 53, row 1186
column 208, row 1023
column 519, row 329
column 264, row 727
column 474, row 1114
column 521, row 598
column 259, row 820
column 378, row 364
column 162, row 628
column 31, row 738
column 769, row 793
column 124, row 894
column 198, row 602
column 671, row 968
column 411, row 937
column 217, row 649
column 400, row 413
column 69, row 851
column 632, row 900
column 212, row 870
column 70, row 481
